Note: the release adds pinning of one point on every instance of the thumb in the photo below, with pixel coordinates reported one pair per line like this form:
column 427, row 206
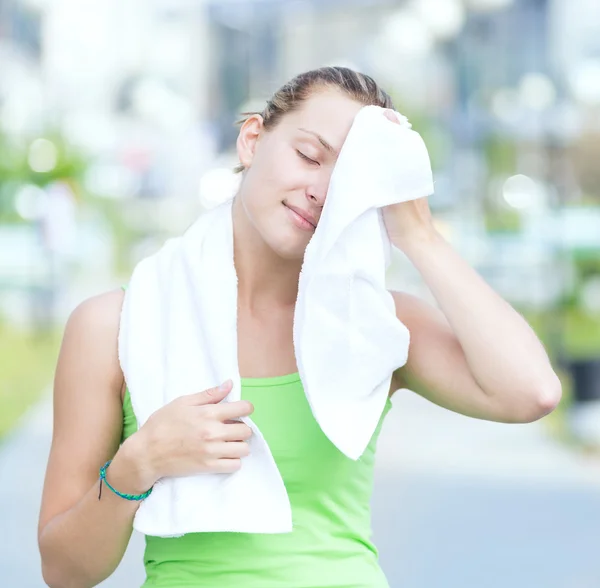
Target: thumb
column 212, row 395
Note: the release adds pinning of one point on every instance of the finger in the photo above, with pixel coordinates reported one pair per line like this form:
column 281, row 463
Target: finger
column 229, row 449
column 391, row 115
column 236, row 432
column 212, row 395
column 233, row 410
column 225, row 466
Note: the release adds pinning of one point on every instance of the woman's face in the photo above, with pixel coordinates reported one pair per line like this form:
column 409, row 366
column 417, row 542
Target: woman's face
column 288, row 169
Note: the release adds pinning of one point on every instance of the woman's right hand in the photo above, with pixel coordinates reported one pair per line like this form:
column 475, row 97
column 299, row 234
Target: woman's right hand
column 190, row 435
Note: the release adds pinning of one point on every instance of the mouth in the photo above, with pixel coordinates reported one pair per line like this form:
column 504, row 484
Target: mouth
column 302, row 218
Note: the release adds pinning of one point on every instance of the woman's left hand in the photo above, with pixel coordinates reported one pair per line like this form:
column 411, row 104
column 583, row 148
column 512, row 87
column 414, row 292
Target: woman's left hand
column 409, row 220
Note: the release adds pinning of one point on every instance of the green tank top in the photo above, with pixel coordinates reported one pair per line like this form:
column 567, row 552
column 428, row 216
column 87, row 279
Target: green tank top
column 330, row 546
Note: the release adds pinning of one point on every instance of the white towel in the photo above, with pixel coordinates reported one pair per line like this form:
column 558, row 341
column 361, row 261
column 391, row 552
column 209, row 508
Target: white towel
column 178, row 332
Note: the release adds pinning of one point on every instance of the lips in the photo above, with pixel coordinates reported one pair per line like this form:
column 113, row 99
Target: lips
column 305, row 214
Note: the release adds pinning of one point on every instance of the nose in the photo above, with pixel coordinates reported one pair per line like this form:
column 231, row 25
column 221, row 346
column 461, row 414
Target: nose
column 316, row 194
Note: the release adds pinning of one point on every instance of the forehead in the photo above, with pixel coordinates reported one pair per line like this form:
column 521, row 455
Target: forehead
column 329, row 113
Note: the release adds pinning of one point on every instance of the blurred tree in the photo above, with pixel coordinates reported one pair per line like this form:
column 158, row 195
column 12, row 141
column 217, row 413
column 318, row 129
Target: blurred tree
column 501, row 154
column 20, row 164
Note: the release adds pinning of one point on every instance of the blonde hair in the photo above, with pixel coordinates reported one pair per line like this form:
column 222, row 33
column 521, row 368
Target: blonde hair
column 358, row 86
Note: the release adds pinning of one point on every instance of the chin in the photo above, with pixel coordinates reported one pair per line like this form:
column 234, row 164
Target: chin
column 287, row 246
column 290, row 253
column 291, row 256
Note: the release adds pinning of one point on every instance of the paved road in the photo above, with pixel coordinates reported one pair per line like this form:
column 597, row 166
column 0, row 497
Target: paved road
column 458, row 503
column 461, row 503
column 441, row 533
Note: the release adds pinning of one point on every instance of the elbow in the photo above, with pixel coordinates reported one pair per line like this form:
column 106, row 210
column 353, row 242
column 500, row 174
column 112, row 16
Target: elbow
column 51, row 578
column 58, row 578
column 49, row 574
column 52, row 574
column 541, row 400
column 57, row 573
column 67, row 576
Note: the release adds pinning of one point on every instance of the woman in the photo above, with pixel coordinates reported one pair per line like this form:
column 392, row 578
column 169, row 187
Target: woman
column 475, row 355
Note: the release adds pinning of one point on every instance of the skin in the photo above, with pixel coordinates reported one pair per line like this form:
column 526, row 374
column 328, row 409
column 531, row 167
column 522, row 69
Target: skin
column 472, row 353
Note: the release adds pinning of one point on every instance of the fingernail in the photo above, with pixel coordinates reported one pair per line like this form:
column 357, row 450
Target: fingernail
column 224, row 385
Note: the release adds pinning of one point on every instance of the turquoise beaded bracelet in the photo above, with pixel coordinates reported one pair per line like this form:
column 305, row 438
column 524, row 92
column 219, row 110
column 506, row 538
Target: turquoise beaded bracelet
column 121, row 494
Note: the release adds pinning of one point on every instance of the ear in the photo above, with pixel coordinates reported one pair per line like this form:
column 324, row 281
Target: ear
column 248, row 139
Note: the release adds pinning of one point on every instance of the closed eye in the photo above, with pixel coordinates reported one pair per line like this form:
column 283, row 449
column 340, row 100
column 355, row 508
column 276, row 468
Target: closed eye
column 308, row 159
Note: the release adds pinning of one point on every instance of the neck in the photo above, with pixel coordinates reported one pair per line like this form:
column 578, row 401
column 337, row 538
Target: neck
column 264, row 278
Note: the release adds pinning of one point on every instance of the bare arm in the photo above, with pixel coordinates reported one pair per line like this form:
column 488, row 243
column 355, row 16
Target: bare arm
column 477, row 355
column 82, row 539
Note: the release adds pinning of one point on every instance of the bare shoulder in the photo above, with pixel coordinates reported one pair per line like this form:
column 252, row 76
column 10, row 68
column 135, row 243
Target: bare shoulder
column 87, row 402
column 100, row 314
column 91, row 336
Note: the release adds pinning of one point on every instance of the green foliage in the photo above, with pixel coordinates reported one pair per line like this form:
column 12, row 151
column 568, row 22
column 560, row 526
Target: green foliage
column 15, row 170
column 498, row 220
column 500, row 154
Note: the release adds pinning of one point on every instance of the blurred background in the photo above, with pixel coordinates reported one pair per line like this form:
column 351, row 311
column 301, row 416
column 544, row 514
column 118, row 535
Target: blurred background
column 117, row 130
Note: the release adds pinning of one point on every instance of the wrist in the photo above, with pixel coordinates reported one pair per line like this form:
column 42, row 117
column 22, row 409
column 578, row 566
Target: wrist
column 417, row 239
column 131, row 469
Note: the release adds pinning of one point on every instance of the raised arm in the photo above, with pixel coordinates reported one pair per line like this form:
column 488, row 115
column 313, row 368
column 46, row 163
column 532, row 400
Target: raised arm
column 475, row 355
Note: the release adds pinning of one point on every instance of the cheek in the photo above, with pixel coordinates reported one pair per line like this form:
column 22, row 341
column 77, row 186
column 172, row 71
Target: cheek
column 297, row 174
column 283, row 173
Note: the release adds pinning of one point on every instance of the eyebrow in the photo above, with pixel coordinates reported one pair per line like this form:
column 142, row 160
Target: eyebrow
column 321, row 140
